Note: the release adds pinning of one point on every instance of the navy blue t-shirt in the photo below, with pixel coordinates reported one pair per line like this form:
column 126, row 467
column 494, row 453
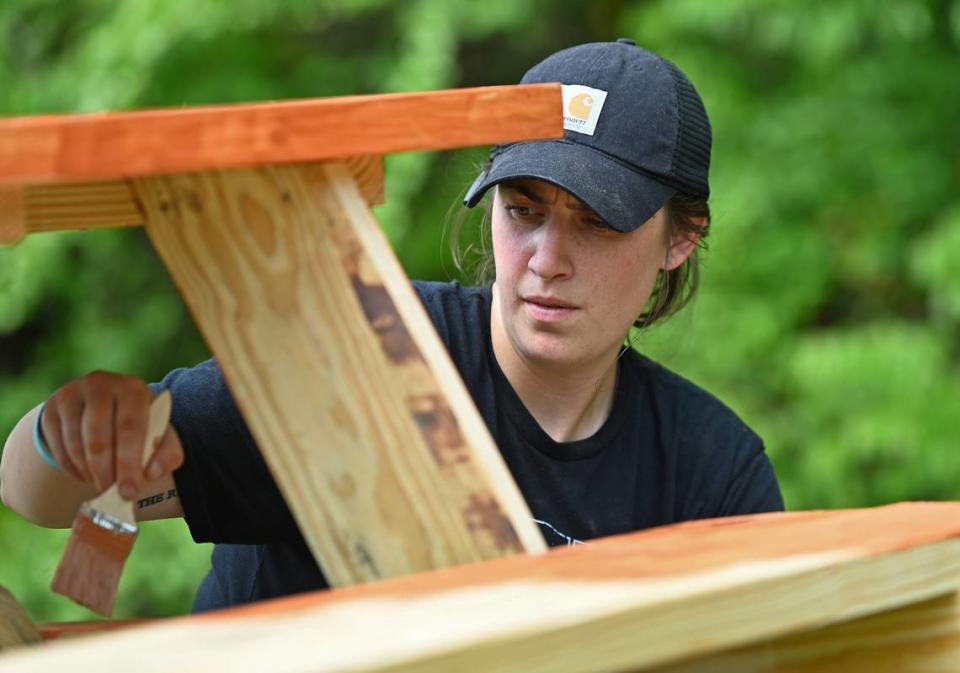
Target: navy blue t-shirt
column 668, row 452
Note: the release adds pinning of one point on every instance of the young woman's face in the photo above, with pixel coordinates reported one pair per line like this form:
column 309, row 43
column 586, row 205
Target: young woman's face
column 568, row 286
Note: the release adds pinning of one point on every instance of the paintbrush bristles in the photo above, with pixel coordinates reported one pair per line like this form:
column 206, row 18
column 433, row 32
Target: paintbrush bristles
column 89, row 571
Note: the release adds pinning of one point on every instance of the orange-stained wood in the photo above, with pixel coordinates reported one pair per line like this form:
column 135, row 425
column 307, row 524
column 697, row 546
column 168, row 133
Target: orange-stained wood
column 693, row 547
column 55, row 630
column 912, row 639
column 86, row 147
column 112, row 203
column 631, row 603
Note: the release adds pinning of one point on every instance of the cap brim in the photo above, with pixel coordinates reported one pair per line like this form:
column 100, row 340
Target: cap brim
column 622, row 197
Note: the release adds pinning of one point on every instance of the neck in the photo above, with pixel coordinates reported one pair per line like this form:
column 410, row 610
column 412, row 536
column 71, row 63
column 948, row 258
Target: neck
column 569, row 401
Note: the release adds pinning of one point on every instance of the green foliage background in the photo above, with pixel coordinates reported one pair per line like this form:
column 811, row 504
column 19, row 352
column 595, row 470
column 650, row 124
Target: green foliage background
column 829, row 313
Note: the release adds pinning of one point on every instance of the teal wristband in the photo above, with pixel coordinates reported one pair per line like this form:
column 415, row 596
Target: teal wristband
column 40, row 444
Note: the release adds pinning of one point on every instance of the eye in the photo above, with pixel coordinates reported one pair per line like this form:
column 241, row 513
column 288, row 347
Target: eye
column 524, row 214
column 598, row 225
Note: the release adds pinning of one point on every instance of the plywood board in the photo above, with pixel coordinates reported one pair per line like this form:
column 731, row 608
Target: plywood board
column 632, row 602
column 112, row 203
column 351, row 396
column 919, row 638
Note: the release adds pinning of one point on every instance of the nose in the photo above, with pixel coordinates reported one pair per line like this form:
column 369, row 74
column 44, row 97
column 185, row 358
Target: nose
column 550, row 258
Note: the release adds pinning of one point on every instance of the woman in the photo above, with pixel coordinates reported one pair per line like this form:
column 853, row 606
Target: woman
column 591, row 234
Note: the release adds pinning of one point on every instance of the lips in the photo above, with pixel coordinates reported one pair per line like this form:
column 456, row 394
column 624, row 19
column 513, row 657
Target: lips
column 546, row 309
column 549, row 302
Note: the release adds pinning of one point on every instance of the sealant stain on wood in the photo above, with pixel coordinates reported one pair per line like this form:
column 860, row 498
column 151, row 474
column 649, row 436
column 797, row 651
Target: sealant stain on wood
column 439, row 428
column 378, row 307
column 382, row 315
column 483, row 514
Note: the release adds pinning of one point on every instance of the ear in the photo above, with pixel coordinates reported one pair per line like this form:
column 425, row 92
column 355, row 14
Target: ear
column 682, row 245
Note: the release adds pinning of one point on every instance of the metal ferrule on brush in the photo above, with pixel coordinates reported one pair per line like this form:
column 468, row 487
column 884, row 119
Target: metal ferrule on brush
column 107, row 522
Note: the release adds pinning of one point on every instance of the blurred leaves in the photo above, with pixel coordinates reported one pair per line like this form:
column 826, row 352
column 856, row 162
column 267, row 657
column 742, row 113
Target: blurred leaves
column 835, row 241
column 829, row 311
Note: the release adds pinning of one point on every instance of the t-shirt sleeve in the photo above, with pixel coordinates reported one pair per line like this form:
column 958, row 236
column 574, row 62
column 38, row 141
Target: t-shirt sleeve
column 225, row 487
column 722, row 466
column 753, row 487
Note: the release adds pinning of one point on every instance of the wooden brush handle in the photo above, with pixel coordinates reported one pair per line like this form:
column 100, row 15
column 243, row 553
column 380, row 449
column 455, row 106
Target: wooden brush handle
column 156, row 423
column 110, row 502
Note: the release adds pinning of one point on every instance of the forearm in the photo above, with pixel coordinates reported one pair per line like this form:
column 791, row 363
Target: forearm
column 32, row 488
column 50, row 497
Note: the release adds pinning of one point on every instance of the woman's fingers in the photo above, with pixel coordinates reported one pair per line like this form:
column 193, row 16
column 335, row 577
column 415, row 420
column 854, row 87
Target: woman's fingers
column 66, row 407
column 132, row 405
column 96, row 428
column 167, row 457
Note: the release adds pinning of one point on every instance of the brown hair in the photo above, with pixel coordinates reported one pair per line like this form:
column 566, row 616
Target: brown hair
column 672, row 290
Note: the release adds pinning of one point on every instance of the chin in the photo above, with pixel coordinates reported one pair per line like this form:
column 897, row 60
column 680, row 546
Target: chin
column 551, row 349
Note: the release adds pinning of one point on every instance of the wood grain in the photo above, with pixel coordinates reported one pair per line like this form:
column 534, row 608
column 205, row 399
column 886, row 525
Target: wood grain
column 345, row 385
column 919, row 638
column 13, row 224
column 91, row 205
column 632, row 602
column 16, row 627
column 58, row 148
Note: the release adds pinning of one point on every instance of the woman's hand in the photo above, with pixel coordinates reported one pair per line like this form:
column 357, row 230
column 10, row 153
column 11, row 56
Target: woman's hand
column 95, row 427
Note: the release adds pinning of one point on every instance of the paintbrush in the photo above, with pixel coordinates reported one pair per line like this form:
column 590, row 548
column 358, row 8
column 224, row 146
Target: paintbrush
column 103, row 534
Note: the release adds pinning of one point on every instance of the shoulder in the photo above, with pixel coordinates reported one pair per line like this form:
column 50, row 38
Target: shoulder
column 721, row 459
column 456, row 311
column 203, row 384
column 203, row 404
column 451, row 295
column 689, row 410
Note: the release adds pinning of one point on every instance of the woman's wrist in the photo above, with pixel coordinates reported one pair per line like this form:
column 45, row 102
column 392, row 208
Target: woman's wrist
column 39, row 443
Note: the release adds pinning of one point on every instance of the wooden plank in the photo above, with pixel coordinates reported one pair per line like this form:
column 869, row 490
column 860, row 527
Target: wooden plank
column 90, row 205
column 12, row 217
column 16, row 627
column 59, row 148
column 57, row 630
column 625, row 603
column 348, row 390
column 919, row 638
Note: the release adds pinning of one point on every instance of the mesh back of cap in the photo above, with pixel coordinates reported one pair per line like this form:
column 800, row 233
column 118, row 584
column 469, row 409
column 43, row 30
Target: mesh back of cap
column 691, row 157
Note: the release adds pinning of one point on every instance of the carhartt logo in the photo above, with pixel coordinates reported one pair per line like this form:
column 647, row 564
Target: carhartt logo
column 581, row 107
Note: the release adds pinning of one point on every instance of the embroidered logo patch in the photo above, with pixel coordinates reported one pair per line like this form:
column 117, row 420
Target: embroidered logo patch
column 581, row 107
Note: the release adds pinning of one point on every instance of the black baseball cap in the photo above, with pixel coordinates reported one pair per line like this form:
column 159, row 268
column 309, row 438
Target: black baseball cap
column 635, row 133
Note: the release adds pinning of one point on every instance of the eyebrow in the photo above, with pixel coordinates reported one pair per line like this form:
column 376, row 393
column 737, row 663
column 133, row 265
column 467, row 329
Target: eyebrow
column 534, row 196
